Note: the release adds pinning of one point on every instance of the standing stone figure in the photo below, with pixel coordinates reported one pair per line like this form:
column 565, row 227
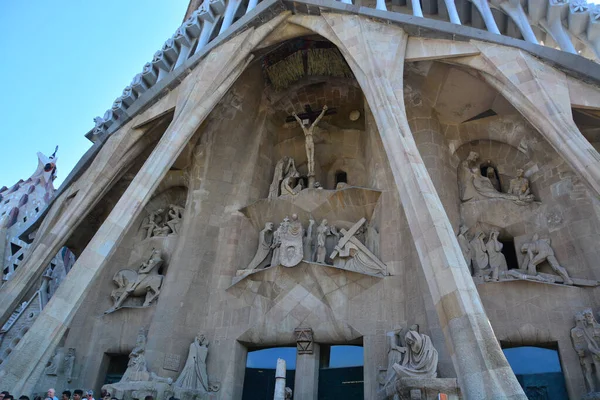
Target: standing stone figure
column 265, row 240
column 519, row 186
column 323, row 231
column 479, row 253
column 194, row 375
column 69, row 364
column 537, row 251
column 497, row 260
column 308, row 240
column 592, row 337
column 309, row 142
column 420, row 357
column 464, row 244
column 580, row 344
column 395, row 352
column 136, row 367
column 276, row 246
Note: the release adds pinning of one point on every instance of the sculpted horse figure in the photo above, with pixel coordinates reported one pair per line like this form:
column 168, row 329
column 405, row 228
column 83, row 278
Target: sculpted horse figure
column 145, row 282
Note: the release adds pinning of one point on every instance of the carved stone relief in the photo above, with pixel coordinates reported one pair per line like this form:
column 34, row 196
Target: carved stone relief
column 489, row 263
column 290, row 244
column 291, row 249
column 304, row 340
column 146, row 282
column 351, row 254
column 473, row 186
column 162, row 222
column 536, row 252
column 171, row 362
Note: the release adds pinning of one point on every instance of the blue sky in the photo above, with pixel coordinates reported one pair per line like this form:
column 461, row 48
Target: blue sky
column 65, row 62
column 340, row 356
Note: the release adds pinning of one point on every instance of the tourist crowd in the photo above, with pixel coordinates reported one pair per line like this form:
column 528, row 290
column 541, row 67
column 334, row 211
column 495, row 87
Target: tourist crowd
column 67, row 395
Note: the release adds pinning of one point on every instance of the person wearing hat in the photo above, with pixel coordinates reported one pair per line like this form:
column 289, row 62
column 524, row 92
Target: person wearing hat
column 89, row 395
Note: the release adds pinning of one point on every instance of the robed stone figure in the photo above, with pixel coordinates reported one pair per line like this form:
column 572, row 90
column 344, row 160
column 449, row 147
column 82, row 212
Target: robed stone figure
column 194, row 375
column 420, row 357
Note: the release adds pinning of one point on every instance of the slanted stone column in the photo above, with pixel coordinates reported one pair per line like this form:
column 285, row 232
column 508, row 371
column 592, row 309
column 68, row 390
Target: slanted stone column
column 70, row 208
column 199, row 93
column 375, row 52
column 306, row 383
column 541, row 94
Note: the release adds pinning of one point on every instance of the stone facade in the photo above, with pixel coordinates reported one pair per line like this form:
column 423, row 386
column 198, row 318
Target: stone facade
column 202, row 233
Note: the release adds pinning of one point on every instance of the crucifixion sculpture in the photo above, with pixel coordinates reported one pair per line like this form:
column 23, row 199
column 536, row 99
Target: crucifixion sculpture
column 309, row 142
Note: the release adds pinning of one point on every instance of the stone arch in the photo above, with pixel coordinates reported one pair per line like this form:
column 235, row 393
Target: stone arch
column 511, row 130
column 173, row 178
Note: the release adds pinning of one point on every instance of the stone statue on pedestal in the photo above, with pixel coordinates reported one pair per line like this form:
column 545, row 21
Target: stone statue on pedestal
column 136, row 367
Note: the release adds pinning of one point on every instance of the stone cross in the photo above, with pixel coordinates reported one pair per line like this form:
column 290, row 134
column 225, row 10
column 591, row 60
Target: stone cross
column 310, row 114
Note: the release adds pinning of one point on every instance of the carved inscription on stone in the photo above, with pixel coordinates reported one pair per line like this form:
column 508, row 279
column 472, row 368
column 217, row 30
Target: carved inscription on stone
column 172, row 362
column 304, row 340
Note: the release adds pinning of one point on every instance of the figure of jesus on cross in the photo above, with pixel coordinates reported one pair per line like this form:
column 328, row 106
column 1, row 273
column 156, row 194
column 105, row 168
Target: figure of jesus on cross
column 309, row 142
